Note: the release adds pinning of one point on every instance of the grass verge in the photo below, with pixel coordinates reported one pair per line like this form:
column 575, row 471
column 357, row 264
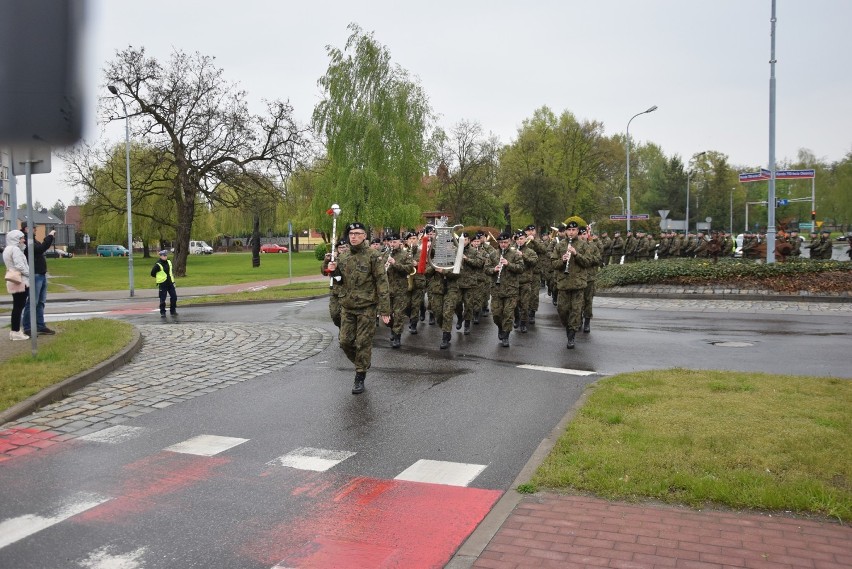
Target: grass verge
column 78, row 345
column 270, row 294
column 741, row 440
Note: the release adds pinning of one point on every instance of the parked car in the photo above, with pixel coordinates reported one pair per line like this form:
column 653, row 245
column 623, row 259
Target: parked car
column 112, row 251
column 58, row 254
column 200, row 248
column 273, row 248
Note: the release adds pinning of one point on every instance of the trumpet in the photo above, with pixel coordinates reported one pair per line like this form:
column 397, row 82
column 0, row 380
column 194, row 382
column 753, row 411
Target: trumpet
column 568, row 260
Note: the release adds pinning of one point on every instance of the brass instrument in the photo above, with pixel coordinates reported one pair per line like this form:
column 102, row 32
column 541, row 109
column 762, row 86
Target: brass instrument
column 568, row 260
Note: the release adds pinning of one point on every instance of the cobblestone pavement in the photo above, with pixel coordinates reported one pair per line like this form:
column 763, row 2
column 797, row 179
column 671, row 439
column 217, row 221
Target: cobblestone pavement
column 174, row 365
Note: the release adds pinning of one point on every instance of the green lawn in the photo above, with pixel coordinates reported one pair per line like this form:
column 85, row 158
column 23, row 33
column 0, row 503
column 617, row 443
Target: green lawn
column 111, row 273
column 741, row 440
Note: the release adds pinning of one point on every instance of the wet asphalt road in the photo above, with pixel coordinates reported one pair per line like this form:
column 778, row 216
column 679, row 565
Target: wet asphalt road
column 469, row 405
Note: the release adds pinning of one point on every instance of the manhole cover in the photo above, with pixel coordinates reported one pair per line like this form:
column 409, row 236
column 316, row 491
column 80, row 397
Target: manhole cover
column 732, row 344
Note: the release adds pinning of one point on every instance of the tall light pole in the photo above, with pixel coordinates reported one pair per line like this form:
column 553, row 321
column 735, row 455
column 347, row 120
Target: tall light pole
column 115, row 92
column 688, row 176
column 651, row 110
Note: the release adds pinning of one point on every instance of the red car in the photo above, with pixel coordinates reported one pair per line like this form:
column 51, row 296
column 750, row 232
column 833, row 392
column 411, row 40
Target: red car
column 273, row 248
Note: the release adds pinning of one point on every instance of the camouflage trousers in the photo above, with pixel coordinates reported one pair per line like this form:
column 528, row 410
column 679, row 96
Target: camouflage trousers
column 569, row 305
column 467, row 303
column 525, row 298
column 399, row 312
column 415, row 299
column 588, row 298
column 503, row 311
column 334, row 309
column 451, row 300
column 357, row 329
column 436, row 307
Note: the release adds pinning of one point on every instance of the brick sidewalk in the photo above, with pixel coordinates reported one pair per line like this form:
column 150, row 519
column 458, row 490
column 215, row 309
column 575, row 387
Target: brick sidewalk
column 549, row 530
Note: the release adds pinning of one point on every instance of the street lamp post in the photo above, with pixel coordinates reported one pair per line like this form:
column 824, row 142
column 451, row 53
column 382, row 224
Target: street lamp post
column 688, row 176
column 650, row 110
column 622, row 204
column 115, row 92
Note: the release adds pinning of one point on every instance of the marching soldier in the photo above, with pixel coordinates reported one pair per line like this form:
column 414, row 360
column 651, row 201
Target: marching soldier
column 472, row 263
column 641, row 252
column 504, row 294
column 399, row 265
column 606, row 248
column 591, row 274
column 364, row 294
column 569, row 259
column 416, row 285
column 527, row 282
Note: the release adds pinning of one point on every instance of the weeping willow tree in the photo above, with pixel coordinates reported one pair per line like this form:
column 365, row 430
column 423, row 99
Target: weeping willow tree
column 373, row 121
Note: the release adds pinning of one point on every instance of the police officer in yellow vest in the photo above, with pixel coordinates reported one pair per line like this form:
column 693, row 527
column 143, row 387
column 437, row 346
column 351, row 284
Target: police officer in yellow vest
column 165, row 278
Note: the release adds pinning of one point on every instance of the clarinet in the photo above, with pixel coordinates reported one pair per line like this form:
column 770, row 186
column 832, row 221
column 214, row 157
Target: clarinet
column 568, row 260
column 500, row 269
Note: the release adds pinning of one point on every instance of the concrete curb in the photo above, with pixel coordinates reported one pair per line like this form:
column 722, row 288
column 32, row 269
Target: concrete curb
column 686, row 295
column 477, row 541
column 64, row 388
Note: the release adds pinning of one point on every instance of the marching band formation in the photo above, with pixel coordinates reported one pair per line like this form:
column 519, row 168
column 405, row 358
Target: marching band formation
column 458, row 280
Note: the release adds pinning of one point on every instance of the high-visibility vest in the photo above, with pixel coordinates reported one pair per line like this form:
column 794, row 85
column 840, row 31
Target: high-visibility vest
column 163, row 275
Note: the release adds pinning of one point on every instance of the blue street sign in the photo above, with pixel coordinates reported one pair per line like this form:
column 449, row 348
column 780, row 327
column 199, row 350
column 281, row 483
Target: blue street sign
column 783, row 202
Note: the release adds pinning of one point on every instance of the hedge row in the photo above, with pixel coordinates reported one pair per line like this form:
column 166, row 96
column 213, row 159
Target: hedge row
column 726, row 270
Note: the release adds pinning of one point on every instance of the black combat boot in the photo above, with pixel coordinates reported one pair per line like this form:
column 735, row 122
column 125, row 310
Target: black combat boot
column 466, row 327
column 395, row 341
column 358, row 387
column 532, row 317
column 570, row 345
column 422, row 312
column 431, row 318
column 476, row 314
column 523, row 327
column 412, row 325
column 555, row 295
column 458, row 322
column 505, row 340
column 587, row 325
column 445, row 340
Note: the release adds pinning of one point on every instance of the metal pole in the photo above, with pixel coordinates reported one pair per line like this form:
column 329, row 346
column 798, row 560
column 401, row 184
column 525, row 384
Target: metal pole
column 114, row 91
column 629, row 210
column 686, row 221
column 731, row 223
column 770, row 224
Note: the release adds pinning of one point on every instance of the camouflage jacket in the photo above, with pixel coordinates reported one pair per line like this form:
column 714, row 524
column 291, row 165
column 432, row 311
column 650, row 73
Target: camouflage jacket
column 399, row 271
column 530, row 264
column 471, row 267
column 363, row 280
column 575, row 277
column 508, row 275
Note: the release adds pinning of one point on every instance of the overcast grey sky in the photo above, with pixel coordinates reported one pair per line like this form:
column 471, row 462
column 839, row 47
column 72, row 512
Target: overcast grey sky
column 704, row 63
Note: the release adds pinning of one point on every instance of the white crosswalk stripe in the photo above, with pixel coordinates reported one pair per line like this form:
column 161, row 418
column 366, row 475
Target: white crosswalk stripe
column 15, row 529
column 114, row 435
column 563, row 370
column 441, row 472
column 316, row 459
column 206, row 445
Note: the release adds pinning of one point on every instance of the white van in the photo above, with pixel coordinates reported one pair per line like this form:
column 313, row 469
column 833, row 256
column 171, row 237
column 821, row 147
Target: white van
column 200, row 248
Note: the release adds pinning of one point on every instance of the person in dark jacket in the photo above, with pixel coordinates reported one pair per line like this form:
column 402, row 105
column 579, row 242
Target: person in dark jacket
column 162, row 271
column 39, row 282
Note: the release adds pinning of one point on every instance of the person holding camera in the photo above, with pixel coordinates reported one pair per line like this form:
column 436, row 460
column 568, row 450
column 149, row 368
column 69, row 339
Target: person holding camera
column 38, row 286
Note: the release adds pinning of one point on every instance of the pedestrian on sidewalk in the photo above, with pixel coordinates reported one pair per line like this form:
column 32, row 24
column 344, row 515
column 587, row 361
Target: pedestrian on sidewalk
column 39, row 281
column 162, row 272
column 364, row 294
column 13, row 258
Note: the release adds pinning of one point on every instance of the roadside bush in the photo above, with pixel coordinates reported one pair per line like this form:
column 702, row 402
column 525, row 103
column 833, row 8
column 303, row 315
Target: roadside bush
column 320, row 250
column 675, row 271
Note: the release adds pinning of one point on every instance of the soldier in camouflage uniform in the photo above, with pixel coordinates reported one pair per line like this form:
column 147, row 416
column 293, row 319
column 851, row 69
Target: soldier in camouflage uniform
column 571, row 279
column 591, row 274
column 416, row 286
column 527, row 282
column 364, row 294
column 823, row 247
column 537, row 245
column 334, row 297
column 399, row 265
column 795, row 244
column 504, row 294
column 617, row 249
column 642, row 251
column 631, row 243
column 468, row 281
column 483, row 283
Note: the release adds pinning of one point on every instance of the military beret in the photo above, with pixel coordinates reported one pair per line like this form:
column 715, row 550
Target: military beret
column 479, row 235
column 355, row 225
column 504, row 236
column 429, row 229
column 572, row 224
column 375, row 241
column 582, row 231
column 562, row 227
column 466, row 235
column 342, row 242
column 530, row 227
column 520, row 233
column 410, row 234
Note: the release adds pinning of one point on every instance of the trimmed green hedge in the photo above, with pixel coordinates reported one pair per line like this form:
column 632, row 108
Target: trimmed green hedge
column 650, row 272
